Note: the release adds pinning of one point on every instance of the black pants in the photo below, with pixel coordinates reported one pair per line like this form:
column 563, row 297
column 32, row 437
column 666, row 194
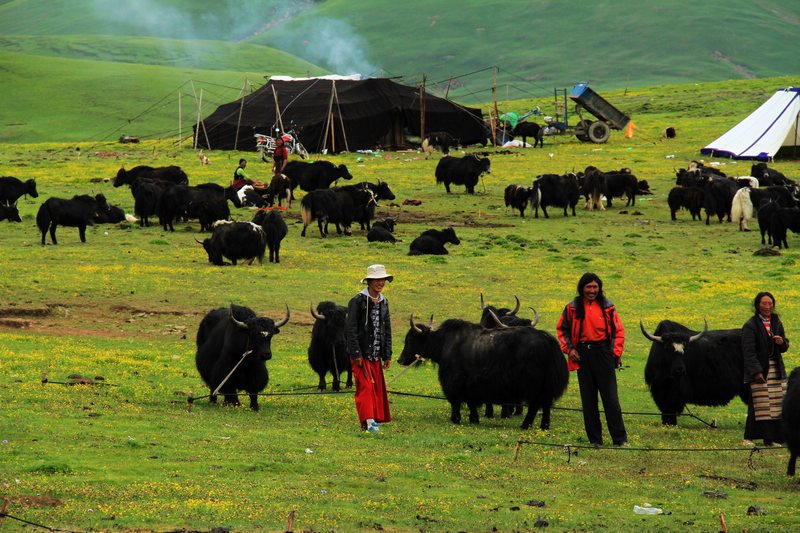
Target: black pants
column 596, row 374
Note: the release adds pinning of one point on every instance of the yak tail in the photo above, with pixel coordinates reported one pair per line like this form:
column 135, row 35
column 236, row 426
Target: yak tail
column 306, row 212
column 43, row 218
column 742, row 208
column 536, row 198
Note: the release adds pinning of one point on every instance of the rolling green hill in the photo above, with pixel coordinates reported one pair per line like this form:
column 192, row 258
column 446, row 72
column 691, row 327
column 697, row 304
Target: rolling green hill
column 539, row 45
column 75, row 100
column 535, row 45
column 92, row 69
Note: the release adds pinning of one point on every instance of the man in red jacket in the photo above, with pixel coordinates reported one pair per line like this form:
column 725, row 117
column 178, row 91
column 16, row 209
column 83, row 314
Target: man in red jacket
column 592, row 336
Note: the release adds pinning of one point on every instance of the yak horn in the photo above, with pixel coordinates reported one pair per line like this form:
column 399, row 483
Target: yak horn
column 514, row 312
column 497, row 320
column 647, row 335
column 411, row 319
column 535, row 316
column 314, row 313
column 483, row 305
column 285, row 320
column 198, row 242
column 705, row 330
column 238, row 323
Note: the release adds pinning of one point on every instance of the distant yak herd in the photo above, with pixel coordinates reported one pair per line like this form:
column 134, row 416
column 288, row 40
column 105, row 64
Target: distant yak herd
column 164, row 193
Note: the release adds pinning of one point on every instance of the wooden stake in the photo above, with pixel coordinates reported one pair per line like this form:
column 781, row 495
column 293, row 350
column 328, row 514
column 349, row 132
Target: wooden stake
column 180, row 141
column 290, row 522
column 516, row 450
column 44, row 378
column 722, row 523
column 245, row 354
column 190, row 400
column 3, row 511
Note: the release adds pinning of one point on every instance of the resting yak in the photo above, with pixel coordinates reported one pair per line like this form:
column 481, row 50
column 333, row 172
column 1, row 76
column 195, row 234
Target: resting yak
column 462, row 171
column 327, row 351
column 432, row 241
column 228, row 336
column 480, row 366
column 690, row 367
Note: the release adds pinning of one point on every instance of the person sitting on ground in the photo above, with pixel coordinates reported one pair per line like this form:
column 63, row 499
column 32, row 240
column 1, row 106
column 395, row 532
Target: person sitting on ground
column 240, row 179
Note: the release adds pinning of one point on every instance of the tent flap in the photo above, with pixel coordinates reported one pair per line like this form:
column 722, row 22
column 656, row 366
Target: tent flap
column 762, row 133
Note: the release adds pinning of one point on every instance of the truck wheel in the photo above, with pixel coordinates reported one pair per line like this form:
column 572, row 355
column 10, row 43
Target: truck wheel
column 582, row 128
column 598, row 132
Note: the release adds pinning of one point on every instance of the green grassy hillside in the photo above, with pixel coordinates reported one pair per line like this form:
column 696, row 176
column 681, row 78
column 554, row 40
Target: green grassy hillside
column 197, row 54
column 536, row 45
column 48, row 98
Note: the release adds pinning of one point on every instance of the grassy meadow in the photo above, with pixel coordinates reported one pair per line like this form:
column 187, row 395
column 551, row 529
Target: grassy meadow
column 125, row 455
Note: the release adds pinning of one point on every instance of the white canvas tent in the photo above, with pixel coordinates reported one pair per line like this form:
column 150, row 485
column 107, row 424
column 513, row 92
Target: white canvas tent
column 764, row 131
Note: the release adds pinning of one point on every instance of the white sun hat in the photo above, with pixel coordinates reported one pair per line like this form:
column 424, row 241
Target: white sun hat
column 377, row 272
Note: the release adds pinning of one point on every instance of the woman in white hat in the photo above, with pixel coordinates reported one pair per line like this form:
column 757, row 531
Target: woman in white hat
column 369, row 343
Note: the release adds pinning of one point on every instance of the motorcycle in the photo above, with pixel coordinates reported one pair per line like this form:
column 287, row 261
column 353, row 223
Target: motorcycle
column 265, row 144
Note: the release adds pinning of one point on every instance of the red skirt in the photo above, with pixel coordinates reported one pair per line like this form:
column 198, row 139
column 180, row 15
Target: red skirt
column 371, row 398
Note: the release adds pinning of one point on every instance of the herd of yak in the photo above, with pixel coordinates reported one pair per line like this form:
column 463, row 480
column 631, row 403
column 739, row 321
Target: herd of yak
column 502, row 359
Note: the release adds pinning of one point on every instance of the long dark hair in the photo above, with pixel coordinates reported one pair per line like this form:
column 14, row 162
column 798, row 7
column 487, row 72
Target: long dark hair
column 758, row 299
column 583, row 282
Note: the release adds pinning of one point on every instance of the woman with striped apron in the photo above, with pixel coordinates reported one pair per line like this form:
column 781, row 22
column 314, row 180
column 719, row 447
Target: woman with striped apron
column 763, row 342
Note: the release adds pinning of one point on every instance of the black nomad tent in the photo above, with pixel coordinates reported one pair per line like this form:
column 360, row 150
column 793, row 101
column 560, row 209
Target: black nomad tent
column 338, row 114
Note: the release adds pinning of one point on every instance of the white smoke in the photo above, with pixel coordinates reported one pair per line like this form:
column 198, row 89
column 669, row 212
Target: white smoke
column 329, row 43
column 287, row 25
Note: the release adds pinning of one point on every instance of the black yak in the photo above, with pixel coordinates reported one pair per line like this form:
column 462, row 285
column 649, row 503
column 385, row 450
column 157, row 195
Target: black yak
column 12, row 188
column 327, row 351
column 462, row 171
column 480, row 366
column 227, row 336
column 790, row 415
column 432, row 242
column 690, row 367
column 235, row 240
column 10, row 213
column 275, row 230
column 76, row 212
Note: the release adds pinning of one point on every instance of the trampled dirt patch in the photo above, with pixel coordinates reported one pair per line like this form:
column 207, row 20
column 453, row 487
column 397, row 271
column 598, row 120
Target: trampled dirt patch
column 35, row 501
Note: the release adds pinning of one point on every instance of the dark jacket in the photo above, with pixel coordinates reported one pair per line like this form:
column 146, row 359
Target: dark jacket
column 569, row 329
column 758, row 346
column 359, row 327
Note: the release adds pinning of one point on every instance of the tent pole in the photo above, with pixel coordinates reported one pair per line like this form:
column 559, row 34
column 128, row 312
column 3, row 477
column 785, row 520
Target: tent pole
column 199, row 111
column 277, row 108
column 239, row 120
column 447, row 92
column 341, row 119
column 796, row 123
column 422, row 107
column 494, row 97
column 328, row 116
column 197, row 126
column 333, row 139
column 180, row 140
